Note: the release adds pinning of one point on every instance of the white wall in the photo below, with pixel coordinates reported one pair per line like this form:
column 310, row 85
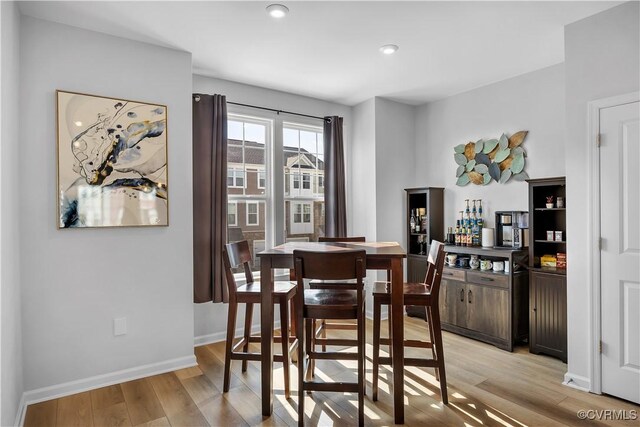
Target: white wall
column 533, row 102
column 602, row 57
column 10, row 223
column 211, row 319
column 75, row 282
column 395, row 149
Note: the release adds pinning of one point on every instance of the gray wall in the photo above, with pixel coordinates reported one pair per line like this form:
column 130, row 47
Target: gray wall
column 602, row 57
column 75, row 282
column 210, row 319
column 10, row 223
column 533, row 102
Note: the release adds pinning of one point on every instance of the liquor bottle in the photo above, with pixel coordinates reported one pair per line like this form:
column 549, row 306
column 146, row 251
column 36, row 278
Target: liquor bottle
column 473, row 210
column 480, row 208
column 418, row 221
column 423, row 224
column 469, row 237
column 412, row 222
column 475, row 231
column 457, row 236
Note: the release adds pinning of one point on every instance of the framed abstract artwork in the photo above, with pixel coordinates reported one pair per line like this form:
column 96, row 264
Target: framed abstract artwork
column 112, row 162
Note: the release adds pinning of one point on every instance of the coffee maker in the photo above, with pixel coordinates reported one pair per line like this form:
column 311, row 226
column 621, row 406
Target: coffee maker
column 512, row 229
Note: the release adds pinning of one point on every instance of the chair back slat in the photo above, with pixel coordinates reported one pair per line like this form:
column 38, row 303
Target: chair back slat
column 321, row 265
column 234, row 255
column 435, row 264
column 342, row 239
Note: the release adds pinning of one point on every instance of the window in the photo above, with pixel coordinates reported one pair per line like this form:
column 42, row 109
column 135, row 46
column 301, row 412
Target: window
column 253, row 213
column 303, row 169
column 273, row 186
column 232, row 214
column 235, row 178
column 302, row 213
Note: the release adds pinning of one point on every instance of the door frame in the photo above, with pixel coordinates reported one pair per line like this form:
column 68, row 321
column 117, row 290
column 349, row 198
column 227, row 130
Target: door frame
column 595, row 326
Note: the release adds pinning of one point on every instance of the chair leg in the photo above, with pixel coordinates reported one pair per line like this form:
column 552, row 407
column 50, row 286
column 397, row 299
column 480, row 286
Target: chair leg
column 284, row 335
column 309, row 348
column 231, row 328
column 376, row 348
column 301, row 367
column 437, row 332
column 323, row 325
column 432, row 340
column 248, row 319
column 361, row 361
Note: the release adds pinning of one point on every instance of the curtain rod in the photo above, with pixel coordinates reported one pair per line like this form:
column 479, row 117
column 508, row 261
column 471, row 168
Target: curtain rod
column 197, row 98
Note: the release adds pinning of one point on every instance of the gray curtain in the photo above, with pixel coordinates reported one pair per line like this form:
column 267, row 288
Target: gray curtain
column 334, row 178
column 209, row 197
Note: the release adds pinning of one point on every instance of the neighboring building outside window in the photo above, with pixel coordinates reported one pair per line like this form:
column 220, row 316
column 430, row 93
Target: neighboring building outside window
column 262, row 179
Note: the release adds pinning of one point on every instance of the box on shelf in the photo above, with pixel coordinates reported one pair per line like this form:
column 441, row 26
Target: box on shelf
column 561, row 260
column 548, row 261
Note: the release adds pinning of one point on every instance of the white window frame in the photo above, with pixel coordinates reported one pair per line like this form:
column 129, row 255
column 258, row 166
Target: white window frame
column 262, row 176
column 257, row 214
column 235, row 214
column 306, row 180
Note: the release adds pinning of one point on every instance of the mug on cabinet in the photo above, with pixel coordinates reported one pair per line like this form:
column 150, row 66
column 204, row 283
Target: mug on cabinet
column 485, row 265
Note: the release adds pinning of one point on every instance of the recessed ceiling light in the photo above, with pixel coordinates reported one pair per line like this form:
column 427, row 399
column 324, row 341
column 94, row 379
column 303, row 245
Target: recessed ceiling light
column 389, row 49
column 277, row 10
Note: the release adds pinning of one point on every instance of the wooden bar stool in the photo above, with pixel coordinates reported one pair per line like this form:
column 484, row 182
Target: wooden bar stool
column 320, row 335
column 235, row 255
column 420, row 294
column 337, row 303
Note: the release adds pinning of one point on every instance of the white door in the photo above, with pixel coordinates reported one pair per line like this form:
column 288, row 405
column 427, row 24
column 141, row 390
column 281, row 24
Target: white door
column 620, row 253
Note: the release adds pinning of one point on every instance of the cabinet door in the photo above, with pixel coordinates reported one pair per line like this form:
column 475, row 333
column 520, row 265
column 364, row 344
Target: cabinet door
column 488, row 310
column 453, row 303
column 548, row 321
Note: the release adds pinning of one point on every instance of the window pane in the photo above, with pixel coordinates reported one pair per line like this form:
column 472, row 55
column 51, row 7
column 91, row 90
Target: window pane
column 308, row 142
column 234, row 130
column 250, row 226
column 255, row 132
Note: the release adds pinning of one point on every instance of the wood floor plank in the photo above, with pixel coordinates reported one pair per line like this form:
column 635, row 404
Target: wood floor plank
column 43, row 414
column 176, row 402
column 193, row 371
column 75, row 410
column 160, row 422
column 200, row 388
column 142, row 403
column 112, row 416
column 106, row 396
column 218, row 411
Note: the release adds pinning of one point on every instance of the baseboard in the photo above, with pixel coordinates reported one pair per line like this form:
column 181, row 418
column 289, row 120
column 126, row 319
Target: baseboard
column 22, row 411
column 85, row 384
column 577, row 382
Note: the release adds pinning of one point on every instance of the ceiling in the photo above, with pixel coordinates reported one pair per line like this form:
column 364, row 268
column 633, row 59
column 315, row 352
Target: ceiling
column 329, row 50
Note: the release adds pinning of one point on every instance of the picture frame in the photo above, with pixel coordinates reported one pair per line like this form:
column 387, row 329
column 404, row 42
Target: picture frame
column 112, row 162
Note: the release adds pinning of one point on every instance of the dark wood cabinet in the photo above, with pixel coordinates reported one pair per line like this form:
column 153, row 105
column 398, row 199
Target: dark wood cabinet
column 485, row 305
column 548, row 285
column 430, row 202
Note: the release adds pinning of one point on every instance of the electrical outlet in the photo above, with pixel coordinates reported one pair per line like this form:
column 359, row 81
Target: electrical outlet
column 119, row 326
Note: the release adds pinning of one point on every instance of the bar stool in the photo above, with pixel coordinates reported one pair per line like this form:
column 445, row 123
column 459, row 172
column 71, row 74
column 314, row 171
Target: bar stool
column 346, row 302
column 420, row 294
column 235, row 255
column 320, row 334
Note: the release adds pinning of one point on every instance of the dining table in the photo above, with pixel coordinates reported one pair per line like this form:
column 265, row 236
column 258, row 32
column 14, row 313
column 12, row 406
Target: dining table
column 379, row 256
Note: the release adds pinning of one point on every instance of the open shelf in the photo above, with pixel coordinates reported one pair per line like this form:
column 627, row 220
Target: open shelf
column 551, row 241
column 550, row 209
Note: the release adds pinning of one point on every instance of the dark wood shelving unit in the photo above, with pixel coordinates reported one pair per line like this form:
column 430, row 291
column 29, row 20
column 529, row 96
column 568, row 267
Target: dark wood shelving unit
column 547, row 285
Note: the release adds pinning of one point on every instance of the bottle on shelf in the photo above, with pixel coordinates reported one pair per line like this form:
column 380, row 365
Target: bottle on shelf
column 469, row 237
column 473, row 210
column 423, row 224
column 412, row 222
column 417, row 224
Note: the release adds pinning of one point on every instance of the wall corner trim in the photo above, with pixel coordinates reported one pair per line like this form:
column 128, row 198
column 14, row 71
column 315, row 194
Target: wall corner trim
column 577, row 382
column 85, row 384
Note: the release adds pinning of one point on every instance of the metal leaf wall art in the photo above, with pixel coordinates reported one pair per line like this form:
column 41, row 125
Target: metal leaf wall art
column 500, row 159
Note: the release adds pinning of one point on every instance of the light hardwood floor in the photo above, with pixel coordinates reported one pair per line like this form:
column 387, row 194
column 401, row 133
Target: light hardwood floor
column 487, row 386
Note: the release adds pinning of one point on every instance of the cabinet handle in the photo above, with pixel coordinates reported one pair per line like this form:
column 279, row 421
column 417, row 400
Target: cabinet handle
column 447, row 274
column 461, row 295
column 469, row 297
column 486, row 279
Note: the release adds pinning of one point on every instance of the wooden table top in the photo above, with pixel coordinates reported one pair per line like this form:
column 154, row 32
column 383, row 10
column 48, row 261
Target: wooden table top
column 373, row 249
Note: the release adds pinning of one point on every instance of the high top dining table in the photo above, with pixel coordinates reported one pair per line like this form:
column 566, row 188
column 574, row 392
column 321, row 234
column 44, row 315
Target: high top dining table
column 379, row 256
